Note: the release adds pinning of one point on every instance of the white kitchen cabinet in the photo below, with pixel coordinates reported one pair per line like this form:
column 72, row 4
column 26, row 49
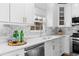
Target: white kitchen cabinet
column 62, row 45
column 49, row 15
column 62, row 15
column 20, row 13
column 29, row 12
column 66, row 44
column 54, row 47
column 40, row 12
column 4, row 12
column 68, row 16
column 17, row 12
column 59, row 15
column 34, row 10
column 15, row 53
column 42, row 6
column 40, row 9
column 58, row 47
column 48, row 48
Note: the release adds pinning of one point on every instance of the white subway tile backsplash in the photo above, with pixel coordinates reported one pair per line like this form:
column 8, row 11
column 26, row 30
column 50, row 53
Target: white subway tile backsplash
column 7, row 30
column 66, row 30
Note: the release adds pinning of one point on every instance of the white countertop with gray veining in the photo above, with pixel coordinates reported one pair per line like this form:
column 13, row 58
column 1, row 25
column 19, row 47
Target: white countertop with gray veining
column 4, row 48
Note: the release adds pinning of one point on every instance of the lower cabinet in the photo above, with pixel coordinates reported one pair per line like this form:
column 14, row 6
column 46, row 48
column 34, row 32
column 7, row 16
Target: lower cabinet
column 58, row 47
column 15, row 53
column 66, row 44
column 54, row 47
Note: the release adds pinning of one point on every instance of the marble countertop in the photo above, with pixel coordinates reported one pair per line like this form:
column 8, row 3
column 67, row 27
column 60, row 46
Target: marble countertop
column 4, row 48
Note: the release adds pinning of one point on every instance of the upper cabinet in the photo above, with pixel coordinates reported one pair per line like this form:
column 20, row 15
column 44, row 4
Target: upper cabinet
column 42, row 6
column 4, row 12
column 63, row 15
column 40, row 9
column 49, row 15
column 29, row 12
column 17, row 12
column 21, row 13
column 68, row 16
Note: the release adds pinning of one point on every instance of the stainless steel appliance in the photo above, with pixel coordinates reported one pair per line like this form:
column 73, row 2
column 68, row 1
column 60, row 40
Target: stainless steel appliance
column 75, row 20
column 75, row 42
column 36, row 50
column 75, row 45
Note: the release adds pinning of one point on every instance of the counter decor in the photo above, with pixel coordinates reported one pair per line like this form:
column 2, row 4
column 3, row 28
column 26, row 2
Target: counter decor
column 17, row 39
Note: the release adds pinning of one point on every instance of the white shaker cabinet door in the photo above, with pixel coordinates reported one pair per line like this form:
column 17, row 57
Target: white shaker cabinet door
column 68, row 15
column 40, row 9
column 66, row 44
column 56, row 47
column 17, row 12
column 50, row 15
column 4, row 12
column 52, row 48
column 29, row 12
column 48, row 48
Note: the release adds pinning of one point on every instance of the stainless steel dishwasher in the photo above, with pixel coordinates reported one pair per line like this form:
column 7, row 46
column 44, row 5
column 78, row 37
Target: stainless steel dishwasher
column 36, row 50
